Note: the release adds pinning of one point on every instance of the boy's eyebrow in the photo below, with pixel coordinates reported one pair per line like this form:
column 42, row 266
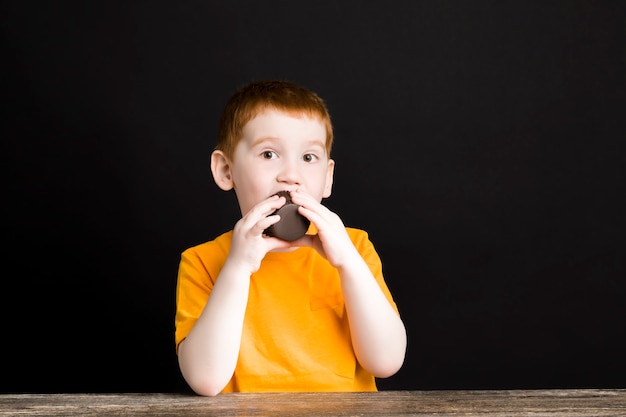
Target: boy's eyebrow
column 317, row 142
column 262, row 139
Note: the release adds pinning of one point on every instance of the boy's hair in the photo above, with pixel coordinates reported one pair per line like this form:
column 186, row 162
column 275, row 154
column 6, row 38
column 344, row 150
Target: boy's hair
column 254, row 98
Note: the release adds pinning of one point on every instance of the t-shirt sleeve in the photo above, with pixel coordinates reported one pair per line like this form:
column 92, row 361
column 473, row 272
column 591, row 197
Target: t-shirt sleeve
column 372, row 259
column 192, row 292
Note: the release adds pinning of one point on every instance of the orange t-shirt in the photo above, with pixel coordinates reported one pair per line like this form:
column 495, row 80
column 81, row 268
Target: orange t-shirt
column 296, row 335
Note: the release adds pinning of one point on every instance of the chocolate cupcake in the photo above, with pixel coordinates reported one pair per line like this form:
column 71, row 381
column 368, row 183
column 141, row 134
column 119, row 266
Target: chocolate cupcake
column 292, row 225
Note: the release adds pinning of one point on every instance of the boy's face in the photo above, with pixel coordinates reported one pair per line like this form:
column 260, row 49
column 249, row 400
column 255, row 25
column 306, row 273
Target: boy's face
column 280, row 151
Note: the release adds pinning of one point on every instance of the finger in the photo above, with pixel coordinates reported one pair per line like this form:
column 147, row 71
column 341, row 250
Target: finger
column 311, row 241
column 263, row 210
column 306, row 240
column 302, row 199
column 260, row 226
column 312, row 205
column 315, row 217
column 268, row 206
column 274, row 243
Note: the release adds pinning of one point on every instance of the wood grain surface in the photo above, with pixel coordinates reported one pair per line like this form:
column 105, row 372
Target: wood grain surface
column 553, row 403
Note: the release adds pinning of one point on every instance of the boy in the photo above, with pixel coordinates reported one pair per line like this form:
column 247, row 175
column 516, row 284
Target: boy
column 257, row 313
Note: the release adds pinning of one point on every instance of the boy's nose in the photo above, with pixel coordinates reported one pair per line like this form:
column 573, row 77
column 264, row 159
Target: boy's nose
column 289, row 173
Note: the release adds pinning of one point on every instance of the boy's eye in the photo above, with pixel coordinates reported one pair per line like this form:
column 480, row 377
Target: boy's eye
column 268, row 154
column 309, row 157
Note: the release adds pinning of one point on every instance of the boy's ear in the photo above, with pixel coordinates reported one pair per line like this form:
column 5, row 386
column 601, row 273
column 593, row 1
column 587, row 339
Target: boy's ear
column 220, row 167
column 329, row 178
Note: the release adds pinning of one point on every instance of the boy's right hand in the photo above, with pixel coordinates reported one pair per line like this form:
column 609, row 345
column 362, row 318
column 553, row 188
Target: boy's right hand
column 249, row 245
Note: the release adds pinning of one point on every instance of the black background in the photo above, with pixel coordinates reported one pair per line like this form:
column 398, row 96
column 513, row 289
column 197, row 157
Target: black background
column 494, row 130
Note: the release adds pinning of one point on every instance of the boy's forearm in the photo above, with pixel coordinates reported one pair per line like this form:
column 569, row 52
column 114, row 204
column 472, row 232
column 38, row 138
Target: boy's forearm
column 208, row 355
column 378, row 333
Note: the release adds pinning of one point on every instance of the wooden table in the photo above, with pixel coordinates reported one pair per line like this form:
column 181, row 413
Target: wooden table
column 553, row 403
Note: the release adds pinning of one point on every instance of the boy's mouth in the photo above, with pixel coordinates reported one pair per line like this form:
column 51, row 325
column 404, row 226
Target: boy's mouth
column 286, row 194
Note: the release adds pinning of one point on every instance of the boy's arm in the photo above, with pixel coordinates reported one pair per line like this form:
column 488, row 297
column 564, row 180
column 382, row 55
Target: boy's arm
column 208, row 355
column 377, row 331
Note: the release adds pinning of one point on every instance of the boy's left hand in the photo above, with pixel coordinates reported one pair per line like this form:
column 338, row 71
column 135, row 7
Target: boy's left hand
column 332, row 240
